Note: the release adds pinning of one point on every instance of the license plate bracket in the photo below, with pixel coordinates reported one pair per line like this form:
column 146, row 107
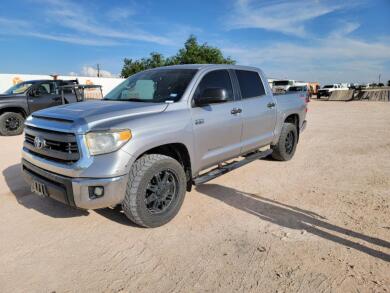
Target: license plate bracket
column 39, row 188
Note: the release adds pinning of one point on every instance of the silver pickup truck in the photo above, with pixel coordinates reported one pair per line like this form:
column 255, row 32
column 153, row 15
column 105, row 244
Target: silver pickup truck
column 157, row 134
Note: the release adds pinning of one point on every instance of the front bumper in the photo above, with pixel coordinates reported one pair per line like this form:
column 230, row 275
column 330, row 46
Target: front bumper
column 323, row 94
column 75, row 191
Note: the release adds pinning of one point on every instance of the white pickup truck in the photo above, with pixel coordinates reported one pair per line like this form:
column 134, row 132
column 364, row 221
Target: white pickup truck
column 327, row 90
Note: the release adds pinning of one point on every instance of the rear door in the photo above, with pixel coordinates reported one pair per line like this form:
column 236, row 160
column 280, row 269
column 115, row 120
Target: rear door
column 217, row 127
column 258, row 111
column 47, row 96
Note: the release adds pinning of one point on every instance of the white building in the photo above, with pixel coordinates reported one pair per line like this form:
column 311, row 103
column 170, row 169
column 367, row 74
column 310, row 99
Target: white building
column 107, row 83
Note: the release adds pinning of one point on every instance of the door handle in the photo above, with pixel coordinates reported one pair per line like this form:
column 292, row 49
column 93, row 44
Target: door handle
column 236, row 111
column 271, row 105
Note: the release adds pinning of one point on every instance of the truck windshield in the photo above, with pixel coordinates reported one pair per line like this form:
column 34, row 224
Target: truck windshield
column 328, row 86
column 153, row 86
column 281, row 82
column 18, row 88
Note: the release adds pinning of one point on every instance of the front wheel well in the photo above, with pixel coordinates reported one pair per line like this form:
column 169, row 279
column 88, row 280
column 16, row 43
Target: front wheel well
column 179, row 152
column 14, row 110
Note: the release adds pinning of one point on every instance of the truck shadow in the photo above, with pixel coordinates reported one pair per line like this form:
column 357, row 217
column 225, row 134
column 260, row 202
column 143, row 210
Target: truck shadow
column 117, row 215
column 47, row 206
column 293, row 218
column 17, row 186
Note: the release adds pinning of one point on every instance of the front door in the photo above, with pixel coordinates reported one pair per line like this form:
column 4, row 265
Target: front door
column 43, row 96
column 217, row 127
column 258, row 111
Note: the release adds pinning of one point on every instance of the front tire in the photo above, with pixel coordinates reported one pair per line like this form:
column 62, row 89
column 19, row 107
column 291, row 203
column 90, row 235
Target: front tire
column 11, row 123
column 284, row 150
column 155, row 190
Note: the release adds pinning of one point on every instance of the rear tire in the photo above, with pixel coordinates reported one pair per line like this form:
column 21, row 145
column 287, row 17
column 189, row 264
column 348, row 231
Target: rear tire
column 155, row 190
column 11, row 123
column 285, row 148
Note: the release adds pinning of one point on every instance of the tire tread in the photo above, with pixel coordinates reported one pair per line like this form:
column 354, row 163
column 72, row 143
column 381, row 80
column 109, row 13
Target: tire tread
column 278, row 149
column 137, row 172
column 3, row 131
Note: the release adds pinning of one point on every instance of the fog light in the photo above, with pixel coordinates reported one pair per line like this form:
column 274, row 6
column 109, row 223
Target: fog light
column 96, row 191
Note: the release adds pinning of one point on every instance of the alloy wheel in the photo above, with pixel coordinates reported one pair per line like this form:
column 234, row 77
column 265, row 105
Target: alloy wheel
column 161, row 191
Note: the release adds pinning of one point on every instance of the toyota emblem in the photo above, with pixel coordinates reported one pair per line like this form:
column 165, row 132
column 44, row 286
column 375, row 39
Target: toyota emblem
column 39, row 142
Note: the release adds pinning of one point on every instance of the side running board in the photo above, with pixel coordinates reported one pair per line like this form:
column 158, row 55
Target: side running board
column 214, row 173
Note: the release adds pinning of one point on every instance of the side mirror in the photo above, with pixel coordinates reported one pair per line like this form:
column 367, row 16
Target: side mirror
column 212, row 96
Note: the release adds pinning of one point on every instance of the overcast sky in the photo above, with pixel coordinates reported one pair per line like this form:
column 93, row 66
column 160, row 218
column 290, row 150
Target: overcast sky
column 326, row 41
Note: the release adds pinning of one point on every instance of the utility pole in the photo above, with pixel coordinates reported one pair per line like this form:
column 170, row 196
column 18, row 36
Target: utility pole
column 98, row 70
column 379, row 78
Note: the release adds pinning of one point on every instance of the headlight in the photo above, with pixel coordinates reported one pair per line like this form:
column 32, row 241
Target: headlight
column 106, row 142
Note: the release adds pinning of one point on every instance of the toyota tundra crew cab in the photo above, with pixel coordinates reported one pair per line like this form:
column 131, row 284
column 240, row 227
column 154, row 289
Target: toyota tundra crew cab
column 157, row 134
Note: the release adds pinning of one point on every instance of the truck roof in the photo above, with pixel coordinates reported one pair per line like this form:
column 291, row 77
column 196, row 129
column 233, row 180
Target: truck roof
column 46, row 80
column 37, row 80
column 204, row 66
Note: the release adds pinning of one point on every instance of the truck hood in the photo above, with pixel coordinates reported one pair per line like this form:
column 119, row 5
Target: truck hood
column 4, row 98
column 86, row 115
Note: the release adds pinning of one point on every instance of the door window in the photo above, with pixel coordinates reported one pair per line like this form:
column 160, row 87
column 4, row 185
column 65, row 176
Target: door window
column 216, row 79
column 250, row 84
column 45, row 88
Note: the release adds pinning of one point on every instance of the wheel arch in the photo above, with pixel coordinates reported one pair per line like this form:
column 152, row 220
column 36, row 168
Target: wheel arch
column 19, row 110
column 294, row 119
column 177, row 151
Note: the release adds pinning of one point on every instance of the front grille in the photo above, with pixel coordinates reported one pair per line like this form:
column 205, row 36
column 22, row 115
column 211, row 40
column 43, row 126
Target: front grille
column 54, row 145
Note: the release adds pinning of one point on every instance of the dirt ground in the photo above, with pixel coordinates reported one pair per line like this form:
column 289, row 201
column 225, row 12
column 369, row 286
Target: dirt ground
column 319, row 223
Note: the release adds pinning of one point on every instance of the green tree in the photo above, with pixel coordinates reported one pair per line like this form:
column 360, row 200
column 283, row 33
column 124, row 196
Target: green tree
column 131, row 66
column 192, row 53
column 388, row 83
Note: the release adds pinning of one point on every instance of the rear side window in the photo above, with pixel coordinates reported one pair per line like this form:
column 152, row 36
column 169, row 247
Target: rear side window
column 216, row 79
column 250, row 84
